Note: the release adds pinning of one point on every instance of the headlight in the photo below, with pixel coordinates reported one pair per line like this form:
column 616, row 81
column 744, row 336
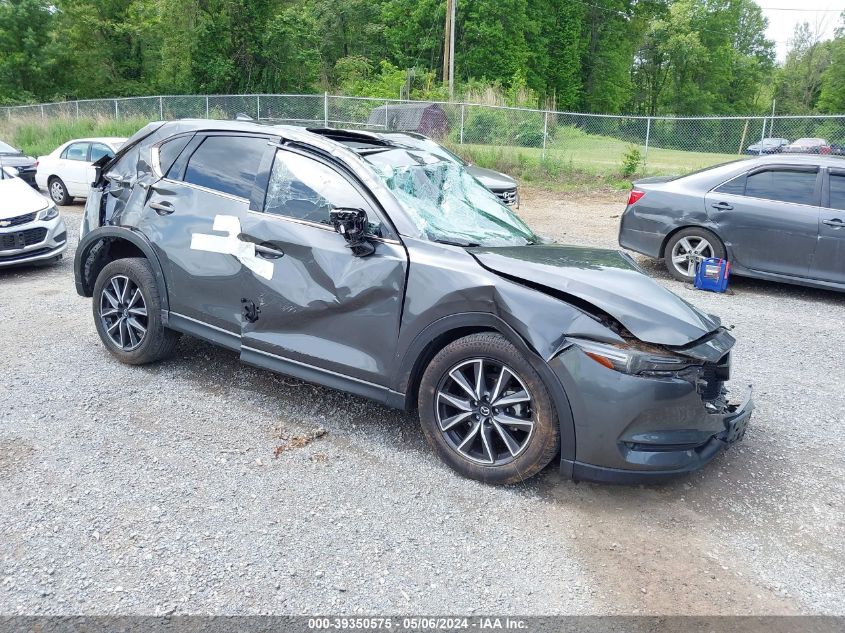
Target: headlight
column 635, row 357
column 49, row 213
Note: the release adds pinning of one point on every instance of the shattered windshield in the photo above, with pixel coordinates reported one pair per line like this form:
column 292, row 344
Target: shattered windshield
column 446, row 202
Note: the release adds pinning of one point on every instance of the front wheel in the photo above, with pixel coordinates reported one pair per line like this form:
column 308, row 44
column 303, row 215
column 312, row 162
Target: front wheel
column 686, row 250
column 486, row 411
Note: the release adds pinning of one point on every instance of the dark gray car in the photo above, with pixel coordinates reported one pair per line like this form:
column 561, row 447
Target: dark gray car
column 776, row 217
column 390, row 273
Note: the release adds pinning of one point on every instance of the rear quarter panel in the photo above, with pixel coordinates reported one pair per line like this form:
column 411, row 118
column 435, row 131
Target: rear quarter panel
column 646, row 224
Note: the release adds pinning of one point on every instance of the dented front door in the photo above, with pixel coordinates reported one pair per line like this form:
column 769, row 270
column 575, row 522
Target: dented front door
column 316, row 304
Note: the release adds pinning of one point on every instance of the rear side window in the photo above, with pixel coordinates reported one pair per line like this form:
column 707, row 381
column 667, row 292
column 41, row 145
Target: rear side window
column 168, row 152
column 226, row 164
column 306, row 189
column 98, row 150
column 735, row 187
column 76, row 151
column 782, row 185
column 837, row 191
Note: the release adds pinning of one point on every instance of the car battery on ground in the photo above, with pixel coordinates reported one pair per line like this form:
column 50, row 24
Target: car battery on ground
column 712, row 274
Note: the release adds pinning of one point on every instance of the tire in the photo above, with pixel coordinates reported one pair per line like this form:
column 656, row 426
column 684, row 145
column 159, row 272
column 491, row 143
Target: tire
column 58, row 191
column 506, row 461
column 115, row 300
column 677, row 247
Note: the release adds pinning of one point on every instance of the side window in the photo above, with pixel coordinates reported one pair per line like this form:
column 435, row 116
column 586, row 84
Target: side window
column 98, row 150
column 76, row 151
column 306, row 189
column 782, row 185
column 735, row 186
column 837, row 191
column 169, row 151
column 226, row 164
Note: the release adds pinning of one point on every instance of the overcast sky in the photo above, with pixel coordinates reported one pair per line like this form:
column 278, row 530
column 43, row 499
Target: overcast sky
column 824, row 13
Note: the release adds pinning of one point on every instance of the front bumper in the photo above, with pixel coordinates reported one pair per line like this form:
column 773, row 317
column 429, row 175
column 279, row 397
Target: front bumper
column 636, row 429
column 33, row 242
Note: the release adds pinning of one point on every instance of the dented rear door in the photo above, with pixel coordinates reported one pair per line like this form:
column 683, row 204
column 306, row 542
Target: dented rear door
column 315, row 303
column 193, row 217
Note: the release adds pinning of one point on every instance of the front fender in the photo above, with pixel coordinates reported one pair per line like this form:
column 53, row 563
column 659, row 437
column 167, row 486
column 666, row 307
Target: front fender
column 409, row 368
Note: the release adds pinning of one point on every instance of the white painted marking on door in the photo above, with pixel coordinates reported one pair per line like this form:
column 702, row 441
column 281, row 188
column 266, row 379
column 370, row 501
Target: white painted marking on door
column 231, row 245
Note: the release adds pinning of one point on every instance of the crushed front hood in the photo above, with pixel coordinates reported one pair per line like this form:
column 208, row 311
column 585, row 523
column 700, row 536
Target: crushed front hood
column 608, row 280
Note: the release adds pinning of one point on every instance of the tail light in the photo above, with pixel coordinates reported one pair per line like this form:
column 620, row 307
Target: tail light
column 635, row 195
column 36, row 164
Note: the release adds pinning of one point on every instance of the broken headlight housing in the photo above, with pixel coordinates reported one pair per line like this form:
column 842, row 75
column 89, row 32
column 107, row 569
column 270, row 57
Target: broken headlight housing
column 48, row 213
column 635, row 357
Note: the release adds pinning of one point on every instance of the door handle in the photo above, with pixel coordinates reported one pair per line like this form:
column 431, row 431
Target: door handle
column 163, row 208
column 835, row 222
column 268, row 252
column 722, row 206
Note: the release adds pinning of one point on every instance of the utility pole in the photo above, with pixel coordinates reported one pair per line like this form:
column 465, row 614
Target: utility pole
column 449, row 47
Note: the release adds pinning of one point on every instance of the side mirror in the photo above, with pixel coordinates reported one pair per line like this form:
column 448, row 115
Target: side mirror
column 352, row 225
column 10, row 172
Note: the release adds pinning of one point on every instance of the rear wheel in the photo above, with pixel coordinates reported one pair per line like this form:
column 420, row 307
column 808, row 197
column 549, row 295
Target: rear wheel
column 687, row 248
column 127, row 313
column 486, row 411
column 58, row 191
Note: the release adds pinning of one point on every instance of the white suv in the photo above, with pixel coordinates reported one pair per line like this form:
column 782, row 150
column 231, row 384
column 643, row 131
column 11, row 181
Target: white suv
column 68, row 171
column 31, row 229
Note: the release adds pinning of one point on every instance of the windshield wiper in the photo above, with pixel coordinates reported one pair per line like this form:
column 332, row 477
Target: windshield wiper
column 454, row 242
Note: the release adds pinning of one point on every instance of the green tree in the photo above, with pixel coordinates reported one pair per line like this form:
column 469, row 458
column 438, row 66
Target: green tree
column 110, row 45
column 31, row 60
column 832, row 97
column 798, row 83
column 557, row 45
column 492, row 39
column 703, row 57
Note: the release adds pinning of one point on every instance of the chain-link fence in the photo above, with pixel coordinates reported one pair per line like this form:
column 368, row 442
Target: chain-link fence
column 590, row 142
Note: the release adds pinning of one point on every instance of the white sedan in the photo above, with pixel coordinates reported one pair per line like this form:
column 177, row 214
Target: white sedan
column 31, row 229
column 68, row 171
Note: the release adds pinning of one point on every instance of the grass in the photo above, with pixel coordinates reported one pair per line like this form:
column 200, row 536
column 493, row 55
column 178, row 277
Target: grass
column 583, row 161
column 37, row 138
column 573, row 161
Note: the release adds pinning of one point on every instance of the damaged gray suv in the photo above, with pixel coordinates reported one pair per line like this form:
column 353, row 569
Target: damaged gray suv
column 380, row 269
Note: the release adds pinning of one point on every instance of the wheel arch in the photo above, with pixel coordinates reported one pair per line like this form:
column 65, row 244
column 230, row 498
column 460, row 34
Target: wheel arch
column 445, row 330
column 107, row 244
column 680, row 228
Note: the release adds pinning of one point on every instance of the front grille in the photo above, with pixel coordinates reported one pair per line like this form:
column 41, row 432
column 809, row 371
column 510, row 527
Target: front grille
column 18, row 220
column 22, row 239
column 12, row 258
column 508, row 196
column 713, row 377
column 711, row 387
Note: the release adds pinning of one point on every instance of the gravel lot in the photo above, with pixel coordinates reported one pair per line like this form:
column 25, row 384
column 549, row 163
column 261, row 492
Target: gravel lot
column 156, row 490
